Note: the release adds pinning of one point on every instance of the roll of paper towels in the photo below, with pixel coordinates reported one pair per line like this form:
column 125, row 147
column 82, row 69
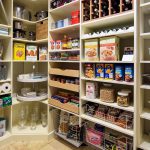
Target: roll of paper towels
column 6, row 87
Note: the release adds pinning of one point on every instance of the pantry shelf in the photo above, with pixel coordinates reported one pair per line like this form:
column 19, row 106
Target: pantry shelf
column 5, row 26
column 32, row 80
column 124, row 34
column 7, row 135
column 26, row 22
column 67, row 61
column 67, row 50
column 66, row 86
column 145, row 35
column 145, row 145
column 146, row 114
column 144, row 62
column 7, row 80
column 5, row 93
column 75, row 143
column 107, row 62
column 64, row 30
column 114, row 105
column 111, row 20
column 108, row 125
column 109, row 81
column 4, row 36
column 145, row 87
column 66, row 9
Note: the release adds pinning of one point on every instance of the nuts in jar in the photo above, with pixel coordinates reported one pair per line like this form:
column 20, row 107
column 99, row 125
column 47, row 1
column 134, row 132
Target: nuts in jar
column 107, row 93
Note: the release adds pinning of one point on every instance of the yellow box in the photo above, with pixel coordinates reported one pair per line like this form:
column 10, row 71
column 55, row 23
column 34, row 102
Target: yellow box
column 19, row 51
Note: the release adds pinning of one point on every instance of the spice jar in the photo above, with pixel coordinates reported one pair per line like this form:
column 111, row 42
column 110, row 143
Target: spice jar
column 123, row 98
column 107, row 93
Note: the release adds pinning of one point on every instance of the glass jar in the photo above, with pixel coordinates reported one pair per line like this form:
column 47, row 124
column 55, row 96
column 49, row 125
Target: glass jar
column 107, row 93
column 33, row 121
column 123, row 99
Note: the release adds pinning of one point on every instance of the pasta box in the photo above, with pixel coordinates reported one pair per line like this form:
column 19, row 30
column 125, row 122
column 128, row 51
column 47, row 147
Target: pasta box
column 31, row 52
column 91, row 49
column 109, row 71
column 109, row 48
column 99, row 71
column 19, row 51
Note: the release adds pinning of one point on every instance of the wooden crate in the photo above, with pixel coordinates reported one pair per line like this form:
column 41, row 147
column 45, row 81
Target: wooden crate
column 66, row 86
column 65, row 106
column 42, row 30
column 66, row 72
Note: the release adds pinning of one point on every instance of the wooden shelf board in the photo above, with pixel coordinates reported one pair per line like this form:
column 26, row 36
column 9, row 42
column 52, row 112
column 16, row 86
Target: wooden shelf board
column 41, row 20
column 145, row 114
column 108, row 125
column 28, row 41
column 73, row 142
column 66, row 9
column 145, row 7
column 5, row 93
column 145, row 87
column 108, row 81
column 64, row 61
column 24, row 61
column 114, row 105
column 67, row 50
column 6, row 135
column 4, row 36
column 70, row 28
column 120, row 35
column 7, row 80
column 5, row 61
column 5, row 26
column 144, row 61
column 145, row 145
column 27, row 22
column 111, row 20
column 115, row 62
column 145, row 35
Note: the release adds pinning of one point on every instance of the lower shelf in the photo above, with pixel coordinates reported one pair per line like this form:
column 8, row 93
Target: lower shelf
column 27, row 99
column 73, row 142
column 27, row 131
column 65, row 106
column 5, row 136
column 145, row 146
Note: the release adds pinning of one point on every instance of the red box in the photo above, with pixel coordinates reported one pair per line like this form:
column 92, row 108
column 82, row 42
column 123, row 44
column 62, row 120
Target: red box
column 75, row 20
column 75, row 14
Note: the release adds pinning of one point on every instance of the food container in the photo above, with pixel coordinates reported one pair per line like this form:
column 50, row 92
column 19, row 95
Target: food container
column 32, row 36
column 26, row 15
column 129, row 73
column 119, row 73
column 89, row 70
column 43, row 52
column 109, row 71
column 123, row 99
column 91, row 50
column 31, row 52
column 58, row 45
column 91, row 90
column 66, row 22
column 41, row 15
column 19, row 51
column 52, row 45
column 99, row 71
column 107, row 93
column 109, row 48
column 60, row 24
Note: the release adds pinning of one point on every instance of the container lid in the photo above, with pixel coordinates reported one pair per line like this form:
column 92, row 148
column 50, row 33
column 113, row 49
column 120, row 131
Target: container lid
column 107, row 85
column 126, row 91
column 122, row 93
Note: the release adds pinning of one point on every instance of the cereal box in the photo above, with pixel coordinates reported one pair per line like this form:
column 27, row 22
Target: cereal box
column 109, row 71
column 91, row 90
column 91, row 50
column 19, row 51
column 43, row 53
column 109, row 48
column 89, row 70
column 31, row 52
column 99, row 71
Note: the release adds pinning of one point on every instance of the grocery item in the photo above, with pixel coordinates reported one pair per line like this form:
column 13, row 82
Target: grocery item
column 91, row 50
column 129, row 73
column 43, row 53
column 65, row 42
column 89, row 70
column 123, row 98
column 52, row 45
column 109, row 71
column 109, row 48
column 69, row 43
column 119, row 73
column 91, row 90
column 107, row 93
column 99, row 71
column 58, row 45
column 19, row 51
column 31, row 52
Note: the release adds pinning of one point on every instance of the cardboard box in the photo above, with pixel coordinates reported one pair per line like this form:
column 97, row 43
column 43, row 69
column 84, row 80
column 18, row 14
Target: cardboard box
column 91, row 50
column 43, row 52
column 91, row 90
column 31, row 53
column 19, row 51
column 109, row 71
column 109, row 48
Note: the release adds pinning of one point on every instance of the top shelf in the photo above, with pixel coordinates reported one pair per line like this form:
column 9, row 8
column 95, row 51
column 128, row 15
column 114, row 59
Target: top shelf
column 66, row 9
column 145, row 7
column 110, row 20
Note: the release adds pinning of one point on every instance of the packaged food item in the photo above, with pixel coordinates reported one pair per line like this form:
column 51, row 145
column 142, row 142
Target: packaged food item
column 119, row 72
column 109, row 48
column 52, row 45
column 31, row 52
column 129, row 73
column 128, row 50
column 89, row 70
column 107, row 93
column 91, row 90
column 43, row 53
column 65, row 42
column 123, row 98
column 99, row 71
column 69, row 43
column 91, row 49
column 19, row 51
column 109, row 71
column 58, row 45
column 101, row 112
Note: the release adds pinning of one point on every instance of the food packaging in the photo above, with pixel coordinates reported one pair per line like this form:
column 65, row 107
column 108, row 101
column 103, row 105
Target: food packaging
column 31, row 53
column 91, row 90
column 99, row 71
column 43, row 52
column 58, row 45
column 109, row 71
column 52, row 45
column 19, row 51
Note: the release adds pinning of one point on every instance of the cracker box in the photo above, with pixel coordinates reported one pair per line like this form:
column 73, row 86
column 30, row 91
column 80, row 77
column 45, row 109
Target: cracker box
column 91, row 90
column 109, row 48
column 91, row 50
column 31, row 53
column 109, row 71
column 19, row 51
column 99, row 71
column 43, row 53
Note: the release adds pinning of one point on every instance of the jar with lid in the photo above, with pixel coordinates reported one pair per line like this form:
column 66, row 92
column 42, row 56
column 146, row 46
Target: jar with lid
column 107, row 93
column 123, row 98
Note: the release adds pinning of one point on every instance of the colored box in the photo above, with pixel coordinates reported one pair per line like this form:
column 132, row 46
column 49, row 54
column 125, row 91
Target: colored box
column 19, row 51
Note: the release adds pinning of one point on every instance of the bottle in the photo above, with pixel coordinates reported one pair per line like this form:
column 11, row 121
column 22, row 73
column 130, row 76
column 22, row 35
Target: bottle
column 105, row 6
column 127, row 5
column 64, row 42
column 115, row 6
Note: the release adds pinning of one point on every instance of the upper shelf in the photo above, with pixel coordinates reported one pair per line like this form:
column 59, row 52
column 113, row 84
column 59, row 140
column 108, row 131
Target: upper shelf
column 66, row 9
column 145, row 7
column 145, row 35
column 32, row 80
column 110, row 20
column 70, row 28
